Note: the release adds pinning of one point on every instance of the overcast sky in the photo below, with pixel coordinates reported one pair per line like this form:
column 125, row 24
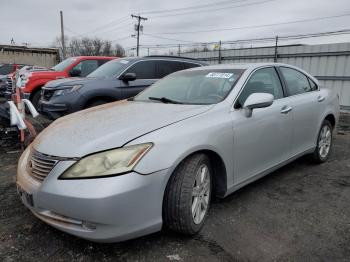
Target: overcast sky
column 37, row 21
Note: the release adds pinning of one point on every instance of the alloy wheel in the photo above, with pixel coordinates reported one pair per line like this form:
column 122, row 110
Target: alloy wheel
column 201, row 194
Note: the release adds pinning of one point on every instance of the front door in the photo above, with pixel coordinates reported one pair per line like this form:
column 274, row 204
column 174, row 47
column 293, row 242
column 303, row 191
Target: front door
column 145, row 76
column 262, row 140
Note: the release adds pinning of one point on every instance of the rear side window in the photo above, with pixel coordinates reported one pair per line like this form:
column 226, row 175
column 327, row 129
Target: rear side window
column 297, row 82
column 87, row 66
column 143, row 70
column 190, row 65
column 165, row 68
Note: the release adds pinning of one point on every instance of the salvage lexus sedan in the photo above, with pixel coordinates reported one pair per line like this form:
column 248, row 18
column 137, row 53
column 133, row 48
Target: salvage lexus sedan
column 125, row 169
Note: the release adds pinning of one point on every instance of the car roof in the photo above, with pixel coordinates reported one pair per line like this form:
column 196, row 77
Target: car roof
column 94, row 57
column 154, row 57
column 239, row 66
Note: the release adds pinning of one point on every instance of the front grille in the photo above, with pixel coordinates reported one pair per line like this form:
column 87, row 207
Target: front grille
column 47, row 94
column 40, row 165
column 9, row 84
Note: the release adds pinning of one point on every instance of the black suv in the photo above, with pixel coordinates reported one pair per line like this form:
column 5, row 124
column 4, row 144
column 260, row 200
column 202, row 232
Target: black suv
column 116, row 80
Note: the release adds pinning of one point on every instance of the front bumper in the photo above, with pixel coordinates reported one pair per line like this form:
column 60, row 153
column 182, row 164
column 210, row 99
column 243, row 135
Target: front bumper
column 102, row 210
column 52, row 111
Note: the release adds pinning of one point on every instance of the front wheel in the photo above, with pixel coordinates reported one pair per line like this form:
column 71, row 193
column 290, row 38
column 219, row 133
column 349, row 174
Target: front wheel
column 324, row 143
column 188, row 194
column 35, row 98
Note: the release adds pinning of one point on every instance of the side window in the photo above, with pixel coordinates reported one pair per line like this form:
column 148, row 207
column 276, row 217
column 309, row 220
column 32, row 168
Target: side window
column 86, row 67
column 190, row 65
column 101, row 62
column 165, row 68
column 297, row 82
column 143, row 70
column 313, row 85
column 263, row 80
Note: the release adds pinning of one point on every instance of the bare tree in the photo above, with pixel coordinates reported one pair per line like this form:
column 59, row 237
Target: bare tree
column 119, row 50
column 90, row 47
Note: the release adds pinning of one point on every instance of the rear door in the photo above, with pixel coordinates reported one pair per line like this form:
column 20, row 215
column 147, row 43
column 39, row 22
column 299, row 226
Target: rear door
column 145, row 76
column 165, row 67
column 306, row 104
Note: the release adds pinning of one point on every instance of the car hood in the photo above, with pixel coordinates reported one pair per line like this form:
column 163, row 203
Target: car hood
column 71, row 81
column 109, row 126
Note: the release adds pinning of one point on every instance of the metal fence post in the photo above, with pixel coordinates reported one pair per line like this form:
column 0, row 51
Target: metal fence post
column 220, row 52
column 276, row 50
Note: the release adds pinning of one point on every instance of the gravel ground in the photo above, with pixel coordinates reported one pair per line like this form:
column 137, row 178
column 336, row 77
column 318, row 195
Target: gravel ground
column 298, row 213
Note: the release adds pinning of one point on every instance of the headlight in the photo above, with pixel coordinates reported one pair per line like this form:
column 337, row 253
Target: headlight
column 108, row 163
column 67, row 89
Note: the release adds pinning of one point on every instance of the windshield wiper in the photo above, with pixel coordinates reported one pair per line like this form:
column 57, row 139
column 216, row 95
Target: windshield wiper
column 164, row 100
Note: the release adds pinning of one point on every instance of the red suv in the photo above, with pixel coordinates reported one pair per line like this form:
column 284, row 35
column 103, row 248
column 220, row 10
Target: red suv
column 79, row 66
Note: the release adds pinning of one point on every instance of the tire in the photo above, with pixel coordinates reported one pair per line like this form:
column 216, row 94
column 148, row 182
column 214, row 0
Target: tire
column 35, row 98
column 179, row 195
column 96, row 103
column 324, row 143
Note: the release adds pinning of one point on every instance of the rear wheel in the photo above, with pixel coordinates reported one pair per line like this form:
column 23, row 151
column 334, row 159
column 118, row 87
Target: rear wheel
column 324, row 142
column 188, row 194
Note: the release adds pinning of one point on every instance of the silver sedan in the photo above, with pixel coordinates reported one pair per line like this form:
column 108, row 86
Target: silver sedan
column 125, row 169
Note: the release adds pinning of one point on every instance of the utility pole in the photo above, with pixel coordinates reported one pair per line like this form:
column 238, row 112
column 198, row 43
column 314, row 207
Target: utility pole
column 138, row 29
column 62, row 37
column 276, row 51
column 179, row 51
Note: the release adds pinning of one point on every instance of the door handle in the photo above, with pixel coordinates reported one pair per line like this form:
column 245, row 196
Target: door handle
column 320, row 98
column 286, row 109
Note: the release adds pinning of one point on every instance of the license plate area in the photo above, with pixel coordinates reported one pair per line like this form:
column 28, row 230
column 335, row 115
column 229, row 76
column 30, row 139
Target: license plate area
column 26, row 197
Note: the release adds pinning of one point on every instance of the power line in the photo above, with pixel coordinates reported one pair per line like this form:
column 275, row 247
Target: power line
column 256, row 26
column 106, row 25
column 192, row 7
column 115, row 29
column 166, row 38
column 215, row 9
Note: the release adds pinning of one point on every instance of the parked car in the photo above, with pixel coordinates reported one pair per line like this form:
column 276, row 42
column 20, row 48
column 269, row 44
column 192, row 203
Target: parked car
column 6, row 70
column 126, row 169
column 71, row 67
column 116, row 80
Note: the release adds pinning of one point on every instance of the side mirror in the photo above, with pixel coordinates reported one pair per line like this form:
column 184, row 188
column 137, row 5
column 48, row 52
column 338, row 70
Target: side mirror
column 128, row 77
column 257, row 100
column 75, row 72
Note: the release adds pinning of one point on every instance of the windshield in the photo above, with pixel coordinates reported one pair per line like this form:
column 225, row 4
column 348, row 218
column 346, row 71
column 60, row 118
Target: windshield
column 192, row 87
column 6, row 69
column 110, row 68
column 64, row 64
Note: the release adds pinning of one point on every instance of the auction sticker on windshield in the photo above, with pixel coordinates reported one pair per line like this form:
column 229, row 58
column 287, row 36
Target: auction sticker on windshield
column 124, row 61
column 219, row 75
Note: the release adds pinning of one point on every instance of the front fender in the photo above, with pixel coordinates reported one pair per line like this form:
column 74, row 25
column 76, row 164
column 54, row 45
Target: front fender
column 175, row 142
column 31, row 86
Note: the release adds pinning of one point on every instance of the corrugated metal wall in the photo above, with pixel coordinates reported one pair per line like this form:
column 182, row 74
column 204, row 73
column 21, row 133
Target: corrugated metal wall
column 330, row 63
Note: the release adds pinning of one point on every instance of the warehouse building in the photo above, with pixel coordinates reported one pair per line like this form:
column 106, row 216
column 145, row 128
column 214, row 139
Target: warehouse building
column 47, row 57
